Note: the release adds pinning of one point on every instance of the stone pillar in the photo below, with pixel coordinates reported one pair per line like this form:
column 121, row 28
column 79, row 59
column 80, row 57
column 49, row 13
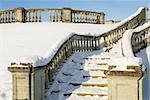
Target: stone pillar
column 66, row 15
column 28, row 82
column 19, row 15
column 125, row 85
column 21, row 82
column 101, row 18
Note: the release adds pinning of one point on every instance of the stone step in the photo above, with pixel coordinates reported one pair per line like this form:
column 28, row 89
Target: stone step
column 95, row 68
column 88, row 81
column 87, row 97
column 92, row 91
column 97, row 85
column 93, row 73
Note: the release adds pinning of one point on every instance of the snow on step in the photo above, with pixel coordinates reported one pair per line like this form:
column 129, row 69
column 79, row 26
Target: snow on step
column 88, row 81
column 92, row 73
column 103, row 91
column 79, row 77
column 76, row 97
column 96, row 67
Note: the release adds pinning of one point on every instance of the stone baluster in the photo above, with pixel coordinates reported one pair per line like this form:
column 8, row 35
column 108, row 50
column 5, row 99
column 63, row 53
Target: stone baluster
column 7, row 16
column 10, row 16
column 0, row 17
column 29, row 16
column 32, row 16
column 4, row 17
column 77, row 17
column 92, row 18
column 79, row 14
column 56, row 15
column 36, row 15
column 7, row 19
column 82, row 17
column 53, row 16
column 89, row 18
column 72, row 17
column 50, row 16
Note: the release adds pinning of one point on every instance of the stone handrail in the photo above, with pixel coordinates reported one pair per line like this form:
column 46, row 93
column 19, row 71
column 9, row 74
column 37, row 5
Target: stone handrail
column 113, row 35
column 44, row 74
column 140, row 39
column 54, row 15
column 136, row 39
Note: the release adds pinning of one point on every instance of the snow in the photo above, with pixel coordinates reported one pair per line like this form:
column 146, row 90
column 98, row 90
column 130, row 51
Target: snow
column 35, row 43
column 76, row 73
column 127, row 19
column 126, row 43
column 142, row 27
column 88, row 76
column 75, row 97
column 126, row 40
column 47, row 36
column 123, row 62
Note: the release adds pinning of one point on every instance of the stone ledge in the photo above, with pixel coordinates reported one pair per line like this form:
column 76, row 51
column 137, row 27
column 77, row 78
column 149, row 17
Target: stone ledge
column 124, row 73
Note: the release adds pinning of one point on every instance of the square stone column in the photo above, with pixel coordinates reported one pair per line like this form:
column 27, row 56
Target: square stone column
column 102, row 18
column 66, row 15
column 21, row 82
column 124, row 85
column 28, row 82
column 19, row 15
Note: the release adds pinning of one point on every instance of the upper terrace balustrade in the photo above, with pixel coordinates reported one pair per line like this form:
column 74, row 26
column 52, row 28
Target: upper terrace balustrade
column 51, row 14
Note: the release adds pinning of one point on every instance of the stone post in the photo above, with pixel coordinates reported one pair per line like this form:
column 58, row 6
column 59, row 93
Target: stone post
column 28, row 82
column 101, row 18
column 124, row 85
column 19, row 15
column 66, row 15
column 21, row 82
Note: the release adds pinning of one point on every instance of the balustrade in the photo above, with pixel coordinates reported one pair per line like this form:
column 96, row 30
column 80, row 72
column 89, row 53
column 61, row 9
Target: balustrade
column 79, row 43
column 55, row 15
column 7, row 16
column 140, row 40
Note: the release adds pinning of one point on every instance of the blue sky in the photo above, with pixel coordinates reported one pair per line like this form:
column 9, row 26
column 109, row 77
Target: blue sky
column 114, row 9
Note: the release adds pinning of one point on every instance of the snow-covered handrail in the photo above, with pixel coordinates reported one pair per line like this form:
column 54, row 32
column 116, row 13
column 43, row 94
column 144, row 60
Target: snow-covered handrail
column 141, row 37
column 54, row 15
column 136, row 39
column 133, row 21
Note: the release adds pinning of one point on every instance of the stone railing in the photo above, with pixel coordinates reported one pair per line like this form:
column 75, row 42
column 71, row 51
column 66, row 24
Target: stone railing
column 112, row 36
column 43, row 75
column 52, row 15
column 140, row 39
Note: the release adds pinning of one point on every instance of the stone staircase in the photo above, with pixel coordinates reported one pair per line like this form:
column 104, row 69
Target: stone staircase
column 92, row 82
column 82, row 77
